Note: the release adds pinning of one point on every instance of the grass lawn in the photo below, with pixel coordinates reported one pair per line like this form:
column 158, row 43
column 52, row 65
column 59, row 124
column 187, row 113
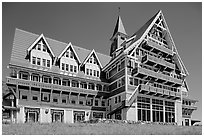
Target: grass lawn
column 98, row 129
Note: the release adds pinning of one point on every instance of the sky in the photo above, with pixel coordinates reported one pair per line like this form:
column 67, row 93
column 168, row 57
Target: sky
column 90, row 25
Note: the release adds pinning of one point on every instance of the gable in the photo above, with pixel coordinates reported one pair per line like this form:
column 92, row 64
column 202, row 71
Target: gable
column 157, row 28
column 41, row 43
column 69, row 52
column 92, row 58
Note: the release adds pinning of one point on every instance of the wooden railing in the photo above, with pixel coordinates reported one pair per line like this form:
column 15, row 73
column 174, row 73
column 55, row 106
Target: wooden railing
column 158, row 45
column 151, row 73
column 49, row 86
column 158, row 61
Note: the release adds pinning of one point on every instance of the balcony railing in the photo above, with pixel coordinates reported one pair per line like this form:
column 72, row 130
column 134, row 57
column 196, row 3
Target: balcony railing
column 161, row 91
column 158, row 45
column 147, row 72
column 49, row 85
column 157, row 60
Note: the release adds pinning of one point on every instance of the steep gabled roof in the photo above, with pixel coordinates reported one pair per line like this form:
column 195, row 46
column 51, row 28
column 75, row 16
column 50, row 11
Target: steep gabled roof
column 119, row 27
column 141, row 33
column 37, row 40
column 65, row 49
column 23, row 40
column 91, row 53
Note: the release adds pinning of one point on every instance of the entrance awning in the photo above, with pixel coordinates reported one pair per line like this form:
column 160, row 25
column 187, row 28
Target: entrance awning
column 10, row 108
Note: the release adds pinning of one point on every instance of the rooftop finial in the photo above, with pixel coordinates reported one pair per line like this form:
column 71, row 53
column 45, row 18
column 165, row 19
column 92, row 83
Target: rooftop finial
column 118, row 11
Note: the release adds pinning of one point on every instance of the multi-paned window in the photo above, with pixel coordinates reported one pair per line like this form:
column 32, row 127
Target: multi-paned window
column 157, row 110
column 38, row 61
column 48, row 63
column 169, row 111
column 143, row 105
column 67, row 67
column 63, row 66
column 34, row 60
column 44, row 62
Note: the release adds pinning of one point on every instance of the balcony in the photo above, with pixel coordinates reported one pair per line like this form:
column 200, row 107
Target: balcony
column 142, row 72
column 155, row 44
column 52, row 86
column 152, row 60
column 151, row 90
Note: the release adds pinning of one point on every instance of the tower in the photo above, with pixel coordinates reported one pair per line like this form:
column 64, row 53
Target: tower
column 118, row 37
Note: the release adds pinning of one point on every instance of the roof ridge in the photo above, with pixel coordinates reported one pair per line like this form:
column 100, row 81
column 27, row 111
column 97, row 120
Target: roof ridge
column 59, row 41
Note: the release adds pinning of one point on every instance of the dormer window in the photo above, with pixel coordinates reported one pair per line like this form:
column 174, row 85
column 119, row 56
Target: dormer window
column 39, row 46
column 48, row 63
column 38, row 61
column 34, row 60
column 44, row 48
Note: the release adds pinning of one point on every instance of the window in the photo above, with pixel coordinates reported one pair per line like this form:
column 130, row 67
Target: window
column 81, row 102
column 119, row 67
column 75, row 69
column 48, row 63
column 71, row 55
column 38, row 61
column 103, row 103
column 24, row 97
column 35, row 78
column 143, row 110
column 73, row 102
column 35, row 98
column 39, row 46
column 95, row 61
column 94, row 73
column 97, row 73
column 90, row 60
column 87, row 71
column 71, row 68
column 44, row 62
column 116, row 100
column 131, row 81
column 67, row 54
column 44, row 48
column 63, row 66
column 34, row 60
column 67, row 67
column 119, row 98
column 91, row 72
column 55, row 100
column 64, row 101
column 91, row 86
column 96, row 102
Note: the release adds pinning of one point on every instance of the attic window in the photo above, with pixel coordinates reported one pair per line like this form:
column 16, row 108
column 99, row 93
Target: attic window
column 44, row 48
column 39, row 46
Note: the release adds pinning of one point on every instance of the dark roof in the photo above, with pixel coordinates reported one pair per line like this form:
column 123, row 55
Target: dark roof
column 141, row 31
column 119, row 27
column 23, row 40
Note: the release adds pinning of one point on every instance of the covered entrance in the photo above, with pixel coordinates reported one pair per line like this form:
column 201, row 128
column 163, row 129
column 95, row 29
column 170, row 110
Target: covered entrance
column 32, row 114
column 79, row 116
column 57, row 115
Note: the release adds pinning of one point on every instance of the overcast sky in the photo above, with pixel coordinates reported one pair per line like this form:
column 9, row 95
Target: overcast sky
column 90, row 25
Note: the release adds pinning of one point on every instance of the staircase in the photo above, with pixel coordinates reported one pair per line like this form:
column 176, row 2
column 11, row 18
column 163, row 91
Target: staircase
column 133, row 96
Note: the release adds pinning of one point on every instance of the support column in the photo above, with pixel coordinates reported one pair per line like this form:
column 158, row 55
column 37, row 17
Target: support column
column 69, row 97
column 52, row 79
column 78, row 98
column 70, row 83
column 30, row 94
column 40, row 78
column 151, row 115
column 30, row 76
column 164, row 110
column 95, row 87
column 51, row 99
column 60, row 100
column 61, row 81
column 17, row 74
column 40, row 94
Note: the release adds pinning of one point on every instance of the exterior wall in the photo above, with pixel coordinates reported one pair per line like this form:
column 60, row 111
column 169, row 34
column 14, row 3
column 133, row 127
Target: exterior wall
column 69, row 61
column 21, row 115
column 178, row 112
column 45, row 118
column 42, row 55
column 131, row 113
column 68, row 116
